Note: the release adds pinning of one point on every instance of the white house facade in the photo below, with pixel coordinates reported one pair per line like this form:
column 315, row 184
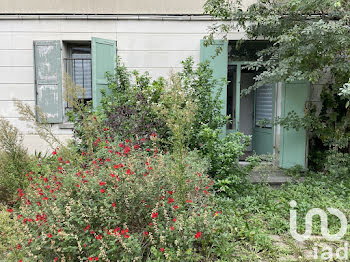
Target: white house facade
column 40, row 40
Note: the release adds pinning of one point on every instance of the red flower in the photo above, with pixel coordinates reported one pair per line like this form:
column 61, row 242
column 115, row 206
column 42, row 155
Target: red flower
column 189, row 201
column 175, row 207
column 96, row 258
column 174, row 219
column 113, row 204
column 102, row 183
column 198, row 235
column 49, row 235
column 102, row 190
column 170, row 192
column 9, row 210
column 162, row 249
column 172, row 228
column 91, row 258
column 145, row 233
column 126, row 150
column 54, row 152
column 128, row 171
column 171, row 200
column 154, row 215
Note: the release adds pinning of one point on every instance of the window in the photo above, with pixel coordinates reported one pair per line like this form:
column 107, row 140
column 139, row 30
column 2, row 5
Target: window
column 86, row 62
column 78, row 66
column 264, row 105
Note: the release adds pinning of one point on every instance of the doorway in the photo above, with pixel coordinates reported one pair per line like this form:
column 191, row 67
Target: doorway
column 250, row 113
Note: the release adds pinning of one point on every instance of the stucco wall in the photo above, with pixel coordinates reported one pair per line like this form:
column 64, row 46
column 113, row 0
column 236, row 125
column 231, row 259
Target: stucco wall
column 103, row 6
column 166, row 7
column 154, row 46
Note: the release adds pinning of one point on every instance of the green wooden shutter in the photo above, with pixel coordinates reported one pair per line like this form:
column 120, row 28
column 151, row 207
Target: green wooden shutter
column 219, row 65
column 293, row 142
column 103, row 60
column 48, row 79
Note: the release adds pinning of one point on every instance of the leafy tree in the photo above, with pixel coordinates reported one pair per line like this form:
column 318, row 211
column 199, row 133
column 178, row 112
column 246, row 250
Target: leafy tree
column 310, row 39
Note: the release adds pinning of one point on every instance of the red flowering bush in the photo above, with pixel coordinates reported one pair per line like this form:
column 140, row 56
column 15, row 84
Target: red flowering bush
column 122, row 206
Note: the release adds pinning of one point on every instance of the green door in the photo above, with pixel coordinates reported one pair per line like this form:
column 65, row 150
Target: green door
column 293, row 142
column 263, row 110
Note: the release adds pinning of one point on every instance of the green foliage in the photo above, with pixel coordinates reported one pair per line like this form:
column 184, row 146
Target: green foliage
column 223, row 154
column 338, row 164
column 268, row 208
column 10, row 236
column 200, row 87
column 179, row 113
column 310, row 37
column 132, row 102
column 128, row 106
column 14, row 161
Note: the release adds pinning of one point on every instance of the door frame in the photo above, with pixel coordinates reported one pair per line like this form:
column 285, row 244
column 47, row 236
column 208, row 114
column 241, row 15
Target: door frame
column 239, row 65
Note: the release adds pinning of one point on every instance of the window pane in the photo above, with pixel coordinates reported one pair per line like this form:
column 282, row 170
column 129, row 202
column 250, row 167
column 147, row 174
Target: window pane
column 82, row 69
column 264, row 104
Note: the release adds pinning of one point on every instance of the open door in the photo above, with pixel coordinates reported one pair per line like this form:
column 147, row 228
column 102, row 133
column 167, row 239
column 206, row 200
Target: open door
column 293, row 142
column 263, row 110
column 103, row 55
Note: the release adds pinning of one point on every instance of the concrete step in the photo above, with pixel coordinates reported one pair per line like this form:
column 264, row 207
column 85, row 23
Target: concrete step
column 243, row 163
column 272, row 177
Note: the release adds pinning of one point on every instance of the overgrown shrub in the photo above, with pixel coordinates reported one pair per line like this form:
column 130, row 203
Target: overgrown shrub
column 131, row 103
column 14, row 161
column 224, row 153
column 186, row 108
column 128, row 106
column 10, row 236
column 338, row 164
column 203, row 90
column 123, row 206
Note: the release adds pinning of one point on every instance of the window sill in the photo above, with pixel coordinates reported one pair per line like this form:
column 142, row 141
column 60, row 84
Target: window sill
column 66, row 126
